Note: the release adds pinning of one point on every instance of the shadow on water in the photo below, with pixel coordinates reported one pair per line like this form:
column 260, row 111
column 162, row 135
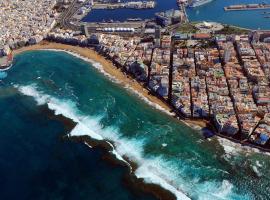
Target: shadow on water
column 207, row 133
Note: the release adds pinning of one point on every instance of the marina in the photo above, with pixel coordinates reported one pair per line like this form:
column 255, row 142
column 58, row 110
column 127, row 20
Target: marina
column 129, row 4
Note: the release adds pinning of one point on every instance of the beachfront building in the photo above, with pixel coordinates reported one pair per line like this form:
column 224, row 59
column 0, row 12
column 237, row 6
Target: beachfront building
column 261, row 134
column 117, row 48
column 67, row 37
column 139, row 61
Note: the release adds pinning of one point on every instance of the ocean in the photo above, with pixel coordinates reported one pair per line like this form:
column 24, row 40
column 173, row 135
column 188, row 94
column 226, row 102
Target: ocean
column 41, row 158
column 209, row 12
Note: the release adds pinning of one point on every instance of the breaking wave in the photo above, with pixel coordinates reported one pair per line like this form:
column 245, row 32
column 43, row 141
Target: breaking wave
column 91, row 127
column 99, row 67
column 156, row 170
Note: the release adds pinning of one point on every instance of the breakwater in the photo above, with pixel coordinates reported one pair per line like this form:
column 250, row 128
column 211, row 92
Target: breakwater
column 247, row 7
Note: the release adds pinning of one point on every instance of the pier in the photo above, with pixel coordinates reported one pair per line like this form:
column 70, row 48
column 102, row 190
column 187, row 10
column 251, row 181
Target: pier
column 131, row 5
column 247, row 7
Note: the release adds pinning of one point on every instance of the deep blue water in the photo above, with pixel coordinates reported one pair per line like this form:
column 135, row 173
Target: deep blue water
column 36, row 162
column 214, row 12
column 123, row 14
column 210, row 12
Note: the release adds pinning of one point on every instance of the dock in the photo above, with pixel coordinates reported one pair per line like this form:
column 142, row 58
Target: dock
column 247, row 7
column 131, row 5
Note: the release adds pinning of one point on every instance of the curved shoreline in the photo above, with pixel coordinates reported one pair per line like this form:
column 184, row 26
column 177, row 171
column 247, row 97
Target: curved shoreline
column 137, row 185
column 108, row 69
column 150, row 186
column 158, row 186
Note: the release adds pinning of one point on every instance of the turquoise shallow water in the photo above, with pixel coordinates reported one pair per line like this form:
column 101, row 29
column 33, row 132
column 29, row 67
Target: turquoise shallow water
column 167, row 151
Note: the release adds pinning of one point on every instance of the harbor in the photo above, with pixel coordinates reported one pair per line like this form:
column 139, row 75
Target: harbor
column 247, row 7
column 130, row 5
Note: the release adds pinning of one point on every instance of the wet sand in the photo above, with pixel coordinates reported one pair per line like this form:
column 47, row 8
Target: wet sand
column 107, row 65
column 113, row 71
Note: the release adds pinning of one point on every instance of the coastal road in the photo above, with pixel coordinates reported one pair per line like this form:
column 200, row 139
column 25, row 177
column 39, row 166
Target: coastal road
column 66, row 16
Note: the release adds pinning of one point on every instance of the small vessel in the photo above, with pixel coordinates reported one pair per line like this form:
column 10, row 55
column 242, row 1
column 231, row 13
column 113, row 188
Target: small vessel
column 6, row 62
column 197, row 3
column 266, row 16
column 134, row 19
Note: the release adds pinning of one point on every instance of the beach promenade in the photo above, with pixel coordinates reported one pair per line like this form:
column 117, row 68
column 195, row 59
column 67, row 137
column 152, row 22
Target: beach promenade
column 113, row 72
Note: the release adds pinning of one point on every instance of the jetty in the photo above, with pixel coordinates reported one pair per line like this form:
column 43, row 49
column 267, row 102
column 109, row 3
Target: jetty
column 131, row 5
column 247, row 7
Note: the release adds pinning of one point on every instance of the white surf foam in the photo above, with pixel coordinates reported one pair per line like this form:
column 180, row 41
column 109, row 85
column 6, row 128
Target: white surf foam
column 233, row 148
column 259, row 164
column 82, row 129
column 150, row 177
column 100, row 68
column 217, row 190
column 149, row 169
column 88, row 145
column 256, row 170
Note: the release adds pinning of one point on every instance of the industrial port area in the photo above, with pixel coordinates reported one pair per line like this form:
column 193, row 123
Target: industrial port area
column 203, row 74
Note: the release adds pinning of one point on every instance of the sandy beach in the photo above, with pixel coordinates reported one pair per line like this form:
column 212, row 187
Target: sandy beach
column 113, row 71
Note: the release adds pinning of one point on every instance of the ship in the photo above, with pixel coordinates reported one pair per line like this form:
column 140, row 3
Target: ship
column 6, row 62
column 197, row 3
column 134, row 19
